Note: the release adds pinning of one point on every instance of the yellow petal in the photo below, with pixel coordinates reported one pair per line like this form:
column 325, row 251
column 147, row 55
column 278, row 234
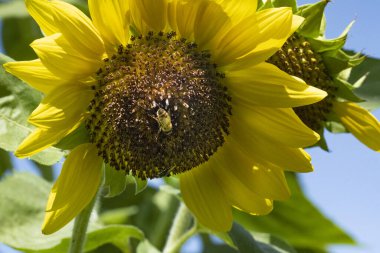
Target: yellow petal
column 211, row 24
column 238, row 193
column 293, row 159
column 360, row 122
column 74, row 189
column 281, row 126
column 60, row 17
column 59, row 57
column 266, row 181
column 266, row 85
column 266, row 177
column 267, row 47
column 183, row 16
column 149, row 15
column 203, row 197
column 238, row 9
column 35, row 74
column 268, row 27
column 63, row 107
column 111, row 18
column 237, row 41
column 42, row 12
column 78, row 30
column 41, row 139
column 60, row 113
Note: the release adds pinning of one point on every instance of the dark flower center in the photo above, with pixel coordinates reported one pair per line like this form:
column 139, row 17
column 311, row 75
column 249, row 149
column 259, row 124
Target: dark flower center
column 160, row 107
column 297, row 58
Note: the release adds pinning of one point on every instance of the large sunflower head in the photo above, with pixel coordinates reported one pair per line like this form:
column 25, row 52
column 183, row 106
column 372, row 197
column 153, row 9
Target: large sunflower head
column 324, row 63
column 168, row 87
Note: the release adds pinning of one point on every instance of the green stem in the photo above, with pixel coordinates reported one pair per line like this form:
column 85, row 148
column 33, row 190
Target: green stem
column 78, row 237
column 179, row 232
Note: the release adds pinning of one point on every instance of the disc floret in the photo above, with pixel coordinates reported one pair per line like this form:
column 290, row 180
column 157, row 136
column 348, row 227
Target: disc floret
column 297, row 58
column 160, row 106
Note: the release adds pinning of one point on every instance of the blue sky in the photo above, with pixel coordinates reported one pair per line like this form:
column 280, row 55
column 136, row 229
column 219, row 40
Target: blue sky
column 345, row 182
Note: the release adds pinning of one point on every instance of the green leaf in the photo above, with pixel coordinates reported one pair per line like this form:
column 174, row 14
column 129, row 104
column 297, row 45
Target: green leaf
column 156, row 210
column 244, row 240
column 14, row 8
column 275, row 243
column 18, row 33
column 23, row 198
column 116, row 234
column 266, row 244
column 118, row 215
column 17, row 8
column 17, row 101
column 370, row 90
column 297, row 221
column 5, row 161
column 210, row 246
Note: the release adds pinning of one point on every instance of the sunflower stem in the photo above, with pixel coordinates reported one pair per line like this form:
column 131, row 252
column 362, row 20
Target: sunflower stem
column 179, row 232
column 78, row 237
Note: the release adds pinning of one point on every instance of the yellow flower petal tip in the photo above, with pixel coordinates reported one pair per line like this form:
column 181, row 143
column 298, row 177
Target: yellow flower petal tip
column 296, row 23
column 48, row 227
column 360, row 122
column 316, row 93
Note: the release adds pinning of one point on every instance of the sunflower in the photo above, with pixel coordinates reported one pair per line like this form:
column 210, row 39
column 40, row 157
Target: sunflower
column 323, row 63
column 165, row 88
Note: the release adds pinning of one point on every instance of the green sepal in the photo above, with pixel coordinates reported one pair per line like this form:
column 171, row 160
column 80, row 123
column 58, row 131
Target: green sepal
column 285, row 3
column 334, row 125
column 345, row 90
column 74, row 139
column 322, row 143
column 140, row 184
column 115, row 182
column 338, row 60
column 262, row 6
column 358, row 83
column 322, row 30
column 313, row 14
column 322, row 45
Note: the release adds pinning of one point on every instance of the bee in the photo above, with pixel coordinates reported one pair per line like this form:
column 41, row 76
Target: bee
column 164, row 121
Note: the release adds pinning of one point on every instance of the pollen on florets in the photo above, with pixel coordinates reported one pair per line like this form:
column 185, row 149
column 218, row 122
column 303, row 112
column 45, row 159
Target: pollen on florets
column 160, row 107
column 297, row 58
